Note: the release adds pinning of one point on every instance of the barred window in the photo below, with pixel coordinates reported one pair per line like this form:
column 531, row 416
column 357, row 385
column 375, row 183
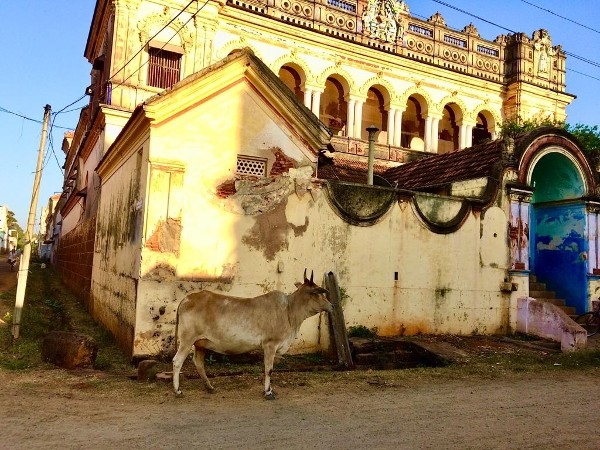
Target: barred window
column 164, row 68
column 248, row 165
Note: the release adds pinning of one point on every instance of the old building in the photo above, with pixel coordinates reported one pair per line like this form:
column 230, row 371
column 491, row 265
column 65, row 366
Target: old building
column 226, row 146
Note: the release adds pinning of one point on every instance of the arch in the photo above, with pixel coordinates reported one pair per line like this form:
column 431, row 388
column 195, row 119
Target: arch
column 548, row 140
column 333, row 106
column 561, row 178
column 155, row 22
column 458, row 107
column 449, row 127
column 374, row 113
column 413, row 121
column 296, row 63
column 384, row 86
column 423, row 98
column 292, row 79
column 339, row 74
column 487, row 123
column 237, row 44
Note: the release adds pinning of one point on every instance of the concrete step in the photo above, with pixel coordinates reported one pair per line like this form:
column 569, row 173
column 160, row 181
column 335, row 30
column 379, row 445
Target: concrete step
column 537, row 286
column 555, row 301
column 541, row 294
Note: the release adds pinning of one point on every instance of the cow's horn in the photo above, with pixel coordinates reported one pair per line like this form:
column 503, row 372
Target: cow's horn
column 305, row 275
column 311, row 276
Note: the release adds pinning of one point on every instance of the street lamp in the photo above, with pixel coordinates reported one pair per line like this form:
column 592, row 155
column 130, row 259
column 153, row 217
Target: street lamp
column 372, row 129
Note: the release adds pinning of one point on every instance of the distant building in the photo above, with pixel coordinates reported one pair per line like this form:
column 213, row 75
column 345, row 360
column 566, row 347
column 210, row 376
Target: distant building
column 3, row 228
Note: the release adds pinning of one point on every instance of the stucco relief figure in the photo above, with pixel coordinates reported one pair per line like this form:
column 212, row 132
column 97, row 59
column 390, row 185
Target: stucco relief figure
column 369, row 18
column 544, row 50
column 543, row 65
column 381, row 19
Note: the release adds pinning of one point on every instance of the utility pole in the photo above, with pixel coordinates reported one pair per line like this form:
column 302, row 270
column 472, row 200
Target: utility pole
column 24, row 263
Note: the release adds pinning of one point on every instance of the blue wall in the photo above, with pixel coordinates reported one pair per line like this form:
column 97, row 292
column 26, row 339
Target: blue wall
column 558, row 229
column 559, row 249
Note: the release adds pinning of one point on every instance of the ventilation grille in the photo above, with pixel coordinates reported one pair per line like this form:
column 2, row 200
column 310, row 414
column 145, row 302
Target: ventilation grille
column 246, row 165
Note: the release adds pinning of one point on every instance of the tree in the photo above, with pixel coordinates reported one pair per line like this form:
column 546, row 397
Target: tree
column 587, row 135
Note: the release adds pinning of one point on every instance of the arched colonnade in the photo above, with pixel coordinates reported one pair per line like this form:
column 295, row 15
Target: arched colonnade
column 408, row 119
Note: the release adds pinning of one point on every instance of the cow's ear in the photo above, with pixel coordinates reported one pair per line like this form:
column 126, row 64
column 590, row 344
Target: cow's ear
column 297, row 284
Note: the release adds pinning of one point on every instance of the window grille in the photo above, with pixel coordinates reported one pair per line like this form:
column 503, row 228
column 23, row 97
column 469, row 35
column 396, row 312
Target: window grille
column 455, row 41
column 348, row 6
column 420, row 30
column 163, row 68
column 246, row 165
column 487, row 50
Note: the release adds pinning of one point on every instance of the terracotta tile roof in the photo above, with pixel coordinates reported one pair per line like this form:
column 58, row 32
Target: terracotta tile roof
column 350, row 168
column 439, row 170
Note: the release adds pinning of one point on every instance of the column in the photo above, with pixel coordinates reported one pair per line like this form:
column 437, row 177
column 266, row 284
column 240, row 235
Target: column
column 358, row 118
column 435, row 127
column 398, row 127
column 308, row 93
column 350, row 118
column 469, row 136
column 462, row 136
column 316, row 102
column 391, row 125
column 427, row 136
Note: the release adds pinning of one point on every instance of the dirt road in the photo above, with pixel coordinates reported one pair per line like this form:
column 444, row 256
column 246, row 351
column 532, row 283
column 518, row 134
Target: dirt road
column 403, row 409
column 333, row 411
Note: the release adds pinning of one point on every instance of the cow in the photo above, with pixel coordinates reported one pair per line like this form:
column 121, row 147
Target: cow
column 232, row 325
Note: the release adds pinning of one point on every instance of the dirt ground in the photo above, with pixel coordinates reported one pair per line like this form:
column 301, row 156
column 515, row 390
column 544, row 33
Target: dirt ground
column 399, row 409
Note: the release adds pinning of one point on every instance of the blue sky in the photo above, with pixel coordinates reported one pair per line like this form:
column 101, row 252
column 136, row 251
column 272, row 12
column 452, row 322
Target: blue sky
column 42, row 63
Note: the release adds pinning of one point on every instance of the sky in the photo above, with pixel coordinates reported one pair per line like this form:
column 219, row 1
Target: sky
column 43, row 44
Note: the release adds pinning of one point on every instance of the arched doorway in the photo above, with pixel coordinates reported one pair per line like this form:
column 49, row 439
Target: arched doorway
column 292, row 79
column 413, row 124
column 333, row 107
column 374, row 113
column 559, row 227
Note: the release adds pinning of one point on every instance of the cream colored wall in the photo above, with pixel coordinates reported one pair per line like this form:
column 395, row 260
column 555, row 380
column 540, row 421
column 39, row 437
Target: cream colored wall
column 116, row 264
column 447, row 283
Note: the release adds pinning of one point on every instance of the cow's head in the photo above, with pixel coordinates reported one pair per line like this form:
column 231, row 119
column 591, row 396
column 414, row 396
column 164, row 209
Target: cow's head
column 315, row 297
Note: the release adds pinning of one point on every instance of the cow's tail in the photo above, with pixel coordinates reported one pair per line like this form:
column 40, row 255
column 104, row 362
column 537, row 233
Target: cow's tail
column 176, row 327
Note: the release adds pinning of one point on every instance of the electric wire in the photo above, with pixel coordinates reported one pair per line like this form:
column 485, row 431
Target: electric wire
column 562, row 17
column 572, row 55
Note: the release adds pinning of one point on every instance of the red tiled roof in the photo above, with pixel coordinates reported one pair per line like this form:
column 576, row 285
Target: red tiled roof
column 347, row 167
column 439, row 170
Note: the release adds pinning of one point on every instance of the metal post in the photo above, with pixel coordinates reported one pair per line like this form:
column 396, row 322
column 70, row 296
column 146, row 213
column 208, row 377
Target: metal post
column 372, row 129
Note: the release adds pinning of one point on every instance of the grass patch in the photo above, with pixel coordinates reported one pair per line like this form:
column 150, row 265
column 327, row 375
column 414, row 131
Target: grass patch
column 49, row 306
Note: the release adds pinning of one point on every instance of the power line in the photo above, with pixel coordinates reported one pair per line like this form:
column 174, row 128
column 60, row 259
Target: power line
column 562, row 17
column 572, row 55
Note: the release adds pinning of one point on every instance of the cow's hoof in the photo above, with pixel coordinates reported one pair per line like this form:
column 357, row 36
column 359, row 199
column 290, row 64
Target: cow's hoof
column 211, row 390
column 178, row 393
column 270, row 396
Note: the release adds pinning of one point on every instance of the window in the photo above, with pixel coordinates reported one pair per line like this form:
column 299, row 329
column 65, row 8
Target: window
column 164, row 68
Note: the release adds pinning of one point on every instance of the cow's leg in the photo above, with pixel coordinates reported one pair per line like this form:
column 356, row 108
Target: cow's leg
column 199, row 363
column 269, row 356
column 178, row 360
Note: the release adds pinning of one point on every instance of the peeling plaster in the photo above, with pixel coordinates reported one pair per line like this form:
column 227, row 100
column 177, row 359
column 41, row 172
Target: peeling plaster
column 269, row 233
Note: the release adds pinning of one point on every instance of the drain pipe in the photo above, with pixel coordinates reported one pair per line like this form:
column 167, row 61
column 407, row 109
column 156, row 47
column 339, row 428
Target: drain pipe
column 372, row 129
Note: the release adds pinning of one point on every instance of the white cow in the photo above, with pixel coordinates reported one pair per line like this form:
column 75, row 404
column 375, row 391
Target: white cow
column 233, row 325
